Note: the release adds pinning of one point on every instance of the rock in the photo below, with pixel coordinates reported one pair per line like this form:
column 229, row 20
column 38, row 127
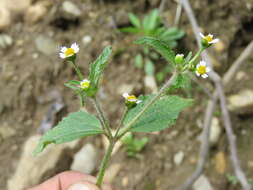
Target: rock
column 45, row 45
column 178, row 158
column 242, row 102
column 112, row 172
column 85, row 160
column 31, row 169
column 35, row 13
column 5, row 18
column 220, row 46
column 215, row 132
column 71, row 9
column 18, row 6
column 220, row 163
column 125, row 181
column 86, row 40
column 150, row 84
column 6, row 132
column 202, row 183
column 5, row 41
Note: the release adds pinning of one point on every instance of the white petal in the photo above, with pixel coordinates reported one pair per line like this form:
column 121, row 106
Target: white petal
column 204, row 76
column 125, row 95
column 63, row 49
column 85, row 80
column 197, row 73
column 201, row 35
column 210, row 35
column 62, row 55
column 202, row 63
column 132, row 100
column 139, row 101
column 75, row 47
column 208, row 69
column 214, row 41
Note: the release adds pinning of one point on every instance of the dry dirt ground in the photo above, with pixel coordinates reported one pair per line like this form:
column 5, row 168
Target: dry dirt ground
column 27, row 76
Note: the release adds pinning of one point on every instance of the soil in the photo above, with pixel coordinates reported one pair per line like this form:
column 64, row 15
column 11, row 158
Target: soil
column 28, row 78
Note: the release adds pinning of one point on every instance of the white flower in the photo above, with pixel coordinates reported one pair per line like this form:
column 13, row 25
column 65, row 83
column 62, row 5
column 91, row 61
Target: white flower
column 202, row 69
column 84, row 84
column 209, row 38
column 68, row 52
column 131, row 98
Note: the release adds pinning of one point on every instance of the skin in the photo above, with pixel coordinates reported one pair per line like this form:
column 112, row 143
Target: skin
column 65, row 180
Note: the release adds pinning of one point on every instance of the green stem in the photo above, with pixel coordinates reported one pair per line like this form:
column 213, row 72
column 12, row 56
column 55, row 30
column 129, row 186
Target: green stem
column 78, row 72
column 104, row 164
column 156, row 97
column 101, row 117
column 196, row 56
column 121, row 122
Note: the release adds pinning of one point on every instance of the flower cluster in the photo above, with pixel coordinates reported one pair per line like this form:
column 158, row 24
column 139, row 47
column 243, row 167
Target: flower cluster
column 85, row 84
column 202, row 69
column 208, row 40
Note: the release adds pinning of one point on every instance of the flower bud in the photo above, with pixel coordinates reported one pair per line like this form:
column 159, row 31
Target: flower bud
column 179, row 59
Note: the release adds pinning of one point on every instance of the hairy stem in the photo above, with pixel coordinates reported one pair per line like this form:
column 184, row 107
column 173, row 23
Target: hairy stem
column 104, row 164
column 101, row 117
column 78, row 72
column 151, row 102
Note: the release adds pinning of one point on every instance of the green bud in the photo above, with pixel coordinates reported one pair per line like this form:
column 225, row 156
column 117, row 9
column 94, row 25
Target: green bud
column 179, row 59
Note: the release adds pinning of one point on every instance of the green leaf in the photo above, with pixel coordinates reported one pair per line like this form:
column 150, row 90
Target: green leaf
column 74, row 126
column 182, row 81
column 73, row 84
column 134, row 20
column 172, row 34
column 149, row 67
column 138, row 61
column 160, row 46
column 151, row 21
column 159, row 116
column 97, row 68
column 130, row 30
column 133, row 145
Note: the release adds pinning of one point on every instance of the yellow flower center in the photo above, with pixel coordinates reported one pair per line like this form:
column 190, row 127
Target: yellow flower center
column 85, row 84
column 69, row 52
column 132, row 98
column 201, row 70
column 208, row 38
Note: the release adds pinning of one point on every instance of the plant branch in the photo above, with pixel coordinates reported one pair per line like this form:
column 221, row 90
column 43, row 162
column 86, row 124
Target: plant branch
column 101, row 117
column 156, row 97
column 104, row 164
column 210, row 109
column 78, row 72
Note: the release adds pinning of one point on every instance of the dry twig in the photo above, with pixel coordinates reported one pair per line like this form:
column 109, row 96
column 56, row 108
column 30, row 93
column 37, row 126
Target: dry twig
column 204, row 149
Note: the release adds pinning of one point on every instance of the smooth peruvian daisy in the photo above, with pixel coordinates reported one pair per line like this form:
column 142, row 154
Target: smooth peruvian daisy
column 209, row 38
column 202, row 69
column 131, row 98
column 84, row 84
column 69, row 52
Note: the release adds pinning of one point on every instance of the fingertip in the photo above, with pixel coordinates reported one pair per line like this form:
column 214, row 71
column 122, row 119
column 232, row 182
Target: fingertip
column 83, row 185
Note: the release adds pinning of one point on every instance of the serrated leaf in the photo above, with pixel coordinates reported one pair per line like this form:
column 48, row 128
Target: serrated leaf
column 74, row 126
column 159, row 116
column 134, row 20
column 97, row 68
column 160, row 46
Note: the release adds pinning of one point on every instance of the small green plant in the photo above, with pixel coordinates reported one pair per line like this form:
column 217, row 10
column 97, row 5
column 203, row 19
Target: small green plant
column 234, row 181
column 152, row 26
column 133, row 145
column 146, row 113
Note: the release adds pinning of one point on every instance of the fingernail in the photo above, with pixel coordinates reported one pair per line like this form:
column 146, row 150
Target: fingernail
column 78, row 187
